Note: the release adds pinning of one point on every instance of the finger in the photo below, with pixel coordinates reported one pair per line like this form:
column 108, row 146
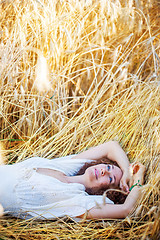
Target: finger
column 122, row 182
column 130, row 183
column 121, row 186
column 126, row 188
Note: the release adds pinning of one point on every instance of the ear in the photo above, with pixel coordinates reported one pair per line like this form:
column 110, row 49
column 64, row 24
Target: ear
column 135, row 167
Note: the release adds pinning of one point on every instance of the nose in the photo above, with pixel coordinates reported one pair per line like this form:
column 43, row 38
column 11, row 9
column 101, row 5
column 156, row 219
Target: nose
column 103, row 171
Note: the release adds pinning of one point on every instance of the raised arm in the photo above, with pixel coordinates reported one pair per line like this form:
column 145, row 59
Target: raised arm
column 113, row 151
column 115, row 211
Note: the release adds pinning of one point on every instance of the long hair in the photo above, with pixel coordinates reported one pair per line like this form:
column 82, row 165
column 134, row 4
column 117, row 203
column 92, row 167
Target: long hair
column 118, row 197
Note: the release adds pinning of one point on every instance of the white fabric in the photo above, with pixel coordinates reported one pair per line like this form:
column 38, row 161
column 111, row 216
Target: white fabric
column 26, row 193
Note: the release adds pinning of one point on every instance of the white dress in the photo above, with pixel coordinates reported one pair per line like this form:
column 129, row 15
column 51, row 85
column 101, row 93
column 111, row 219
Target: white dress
column 25, row 193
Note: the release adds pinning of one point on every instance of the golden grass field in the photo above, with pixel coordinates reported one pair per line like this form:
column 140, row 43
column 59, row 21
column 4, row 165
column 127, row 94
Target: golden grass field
column 74, row 74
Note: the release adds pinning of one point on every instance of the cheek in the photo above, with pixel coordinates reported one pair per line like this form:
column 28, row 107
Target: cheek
column 90, row 174
column 104, row 183
column 119, row 175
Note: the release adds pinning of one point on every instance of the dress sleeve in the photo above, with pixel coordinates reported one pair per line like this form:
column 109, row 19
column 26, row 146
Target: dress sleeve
column 81, row 204
column 72, row 207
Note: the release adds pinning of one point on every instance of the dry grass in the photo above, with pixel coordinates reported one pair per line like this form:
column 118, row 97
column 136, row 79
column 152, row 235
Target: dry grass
column 74, row 74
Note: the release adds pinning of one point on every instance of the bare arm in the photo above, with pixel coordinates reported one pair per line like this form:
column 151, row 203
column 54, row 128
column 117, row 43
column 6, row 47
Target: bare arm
column 115, row 211
column 112, row 150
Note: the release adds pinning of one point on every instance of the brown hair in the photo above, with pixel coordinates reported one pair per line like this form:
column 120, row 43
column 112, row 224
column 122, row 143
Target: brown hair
column 116, row 196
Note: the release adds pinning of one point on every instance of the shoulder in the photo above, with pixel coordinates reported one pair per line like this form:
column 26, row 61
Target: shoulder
column 70, row 164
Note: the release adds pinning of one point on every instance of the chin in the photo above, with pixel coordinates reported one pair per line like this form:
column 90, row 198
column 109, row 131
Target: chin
column 90, row 173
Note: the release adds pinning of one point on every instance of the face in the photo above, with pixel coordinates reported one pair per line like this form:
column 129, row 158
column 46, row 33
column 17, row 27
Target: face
column 103, row 176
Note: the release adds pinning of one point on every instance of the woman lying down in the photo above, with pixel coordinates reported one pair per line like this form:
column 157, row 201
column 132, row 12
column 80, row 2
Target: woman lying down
column 73, row 185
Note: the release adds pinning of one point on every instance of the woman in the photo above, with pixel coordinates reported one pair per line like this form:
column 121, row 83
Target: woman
column 46, row 189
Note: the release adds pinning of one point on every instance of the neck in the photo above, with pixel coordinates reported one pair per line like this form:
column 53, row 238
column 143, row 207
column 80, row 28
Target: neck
column 76, row 179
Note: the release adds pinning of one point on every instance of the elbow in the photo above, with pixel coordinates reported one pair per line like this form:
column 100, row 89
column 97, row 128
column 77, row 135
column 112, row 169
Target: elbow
column 111, row 147
column 113, row 144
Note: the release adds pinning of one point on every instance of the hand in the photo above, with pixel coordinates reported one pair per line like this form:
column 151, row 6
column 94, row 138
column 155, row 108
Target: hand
column 126, row 180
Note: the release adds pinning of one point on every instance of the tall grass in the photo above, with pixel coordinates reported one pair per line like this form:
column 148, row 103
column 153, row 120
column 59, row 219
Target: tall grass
column 74, row 74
